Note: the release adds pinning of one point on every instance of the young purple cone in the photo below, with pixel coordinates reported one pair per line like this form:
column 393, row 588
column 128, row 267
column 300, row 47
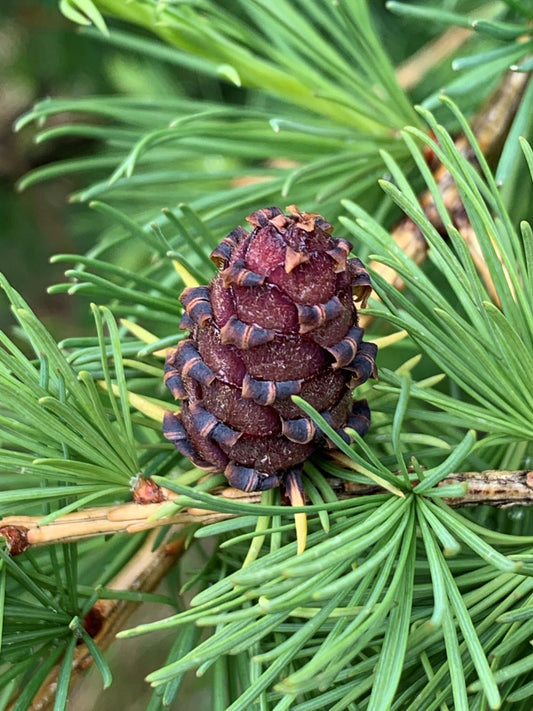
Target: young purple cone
column 279, row 319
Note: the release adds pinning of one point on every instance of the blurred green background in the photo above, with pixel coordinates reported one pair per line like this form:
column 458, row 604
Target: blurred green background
column 41, row 55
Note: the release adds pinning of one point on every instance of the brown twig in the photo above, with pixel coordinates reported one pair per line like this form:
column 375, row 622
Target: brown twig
column 493, row 488
column 490, row 127
column 23, row 532
column 411, row 72
column 498, row 488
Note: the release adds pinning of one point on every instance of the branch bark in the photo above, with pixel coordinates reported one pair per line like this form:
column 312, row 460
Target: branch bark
column 493, row 488
column 501, row 489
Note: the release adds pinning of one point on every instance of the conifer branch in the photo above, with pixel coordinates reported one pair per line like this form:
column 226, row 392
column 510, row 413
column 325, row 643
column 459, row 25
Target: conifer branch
column 497, row 488
column 379, row 610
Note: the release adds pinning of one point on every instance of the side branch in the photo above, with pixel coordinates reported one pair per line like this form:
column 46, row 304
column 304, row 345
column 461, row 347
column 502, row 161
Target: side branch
column 490, row 127
column 142, row 573
column 490, row 488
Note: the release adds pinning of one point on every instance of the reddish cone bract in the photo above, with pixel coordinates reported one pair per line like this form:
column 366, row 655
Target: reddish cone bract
column 279, row 319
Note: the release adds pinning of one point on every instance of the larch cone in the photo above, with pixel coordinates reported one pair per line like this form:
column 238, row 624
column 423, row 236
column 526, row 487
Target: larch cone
column 279, row 319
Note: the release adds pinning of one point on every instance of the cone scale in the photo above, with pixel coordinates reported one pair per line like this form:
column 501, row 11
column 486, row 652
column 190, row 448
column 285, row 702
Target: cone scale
column 279, row 319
